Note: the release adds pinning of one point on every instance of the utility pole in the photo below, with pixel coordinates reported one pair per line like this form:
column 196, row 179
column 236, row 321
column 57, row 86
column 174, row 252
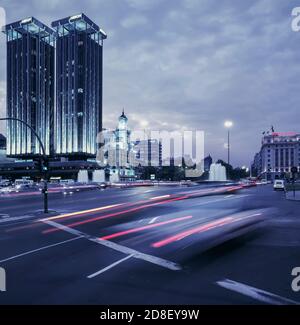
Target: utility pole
column 228, row 147
column 228, row 125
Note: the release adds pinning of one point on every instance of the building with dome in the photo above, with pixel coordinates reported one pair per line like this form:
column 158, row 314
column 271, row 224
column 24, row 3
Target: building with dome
column 118, row 151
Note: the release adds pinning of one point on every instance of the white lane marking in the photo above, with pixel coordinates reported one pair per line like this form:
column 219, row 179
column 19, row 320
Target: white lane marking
column 110, row 267
column 8, row 218
column 152, row 220
column 227, row 196
column 220, row 200
column 40, row 249
column 255, row 293
column 120, row 248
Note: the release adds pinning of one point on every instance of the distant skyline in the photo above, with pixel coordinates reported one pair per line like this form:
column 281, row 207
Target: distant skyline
column 190, row 64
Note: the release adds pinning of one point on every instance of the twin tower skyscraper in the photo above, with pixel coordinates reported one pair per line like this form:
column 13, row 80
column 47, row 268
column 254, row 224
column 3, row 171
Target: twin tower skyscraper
column 54, row 84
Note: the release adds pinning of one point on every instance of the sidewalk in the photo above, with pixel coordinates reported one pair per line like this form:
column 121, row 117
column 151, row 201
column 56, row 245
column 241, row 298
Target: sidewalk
column 290, row 195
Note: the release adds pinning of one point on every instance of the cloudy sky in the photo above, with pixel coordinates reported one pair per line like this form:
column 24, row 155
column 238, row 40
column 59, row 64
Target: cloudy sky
column 191, row 64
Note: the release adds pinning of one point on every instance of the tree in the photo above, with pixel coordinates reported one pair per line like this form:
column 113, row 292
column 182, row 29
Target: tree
column 234, row 173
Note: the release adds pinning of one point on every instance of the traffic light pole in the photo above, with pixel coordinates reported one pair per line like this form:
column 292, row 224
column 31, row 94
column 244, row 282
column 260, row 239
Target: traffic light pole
column 44, row 158
column 294, row 171
column 45, row 190
column 44, row 170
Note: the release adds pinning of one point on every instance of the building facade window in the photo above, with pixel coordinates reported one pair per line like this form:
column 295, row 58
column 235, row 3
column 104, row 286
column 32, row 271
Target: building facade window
column 30, row 88
column 79, row 58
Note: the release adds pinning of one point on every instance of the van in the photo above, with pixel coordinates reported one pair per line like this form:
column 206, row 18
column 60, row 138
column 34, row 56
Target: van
column 278, row 185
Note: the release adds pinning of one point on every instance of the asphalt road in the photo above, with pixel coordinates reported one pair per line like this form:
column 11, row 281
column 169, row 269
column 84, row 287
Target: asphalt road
column 151, row 245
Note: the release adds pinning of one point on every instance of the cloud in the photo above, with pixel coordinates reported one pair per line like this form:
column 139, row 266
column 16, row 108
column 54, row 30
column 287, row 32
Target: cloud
column 144, row 4
column 192, row 63
column 133, row 21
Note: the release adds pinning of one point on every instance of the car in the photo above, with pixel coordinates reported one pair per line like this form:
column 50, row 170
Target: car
column 24, row 183
column 102, row 185
column 278, row 185
column 4, row 183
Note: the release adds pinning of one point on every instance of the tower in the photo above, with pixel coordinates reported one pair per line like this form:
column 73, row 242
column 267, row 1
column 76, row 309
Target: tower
column 79, row 60
column 122, row 141
column 30, row 86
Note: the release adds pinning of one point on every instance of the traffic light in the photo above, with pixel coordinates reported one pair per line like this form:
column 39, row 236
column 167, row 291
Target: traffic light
column 294, row 170
column 43, row 165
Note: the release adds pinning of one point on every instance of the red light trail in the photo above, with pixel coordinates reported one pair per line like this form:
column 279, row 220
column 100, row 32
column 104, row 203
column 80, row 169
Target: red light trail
column 134, row 230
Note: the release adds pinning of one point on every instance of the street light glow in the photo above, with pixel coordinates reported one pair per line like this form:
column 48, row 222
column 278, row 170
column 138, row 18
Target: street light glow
column 228, row 124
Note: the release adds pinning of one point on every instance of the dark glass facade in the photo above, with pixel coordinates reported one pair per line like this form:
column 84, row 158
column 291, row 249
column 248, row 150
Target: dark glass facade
column 78, row 113
column 30, row 87
column 2, row 142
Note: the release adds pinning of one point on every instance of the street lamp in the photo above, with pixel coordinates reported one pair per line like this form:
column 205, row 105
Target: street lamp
column 44, row 158
column 228, row 125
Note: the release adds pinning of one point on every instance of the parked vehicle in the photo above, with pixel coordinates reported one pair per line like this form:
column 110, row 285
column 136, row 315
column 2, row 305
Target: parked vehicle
column 4, row 183
column 278, row 185
column 67, row 182
column 23, row 183
column 102, row 185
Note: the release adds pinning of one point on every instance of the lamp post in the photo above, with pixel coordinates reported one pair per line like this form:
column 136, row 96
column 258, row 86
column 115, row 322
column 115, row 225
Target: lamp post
column 44, row 158
column 228, row 125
